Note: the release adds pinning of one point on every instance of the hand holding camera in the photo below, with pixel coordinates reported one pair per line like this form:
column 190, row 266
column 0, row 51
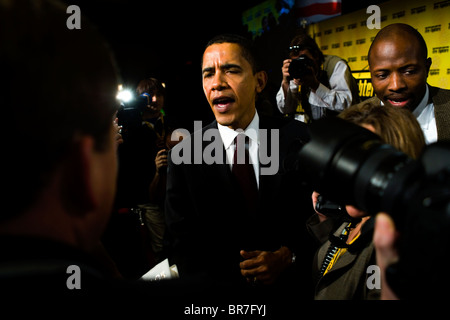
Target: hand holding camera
column 302, row 71
column 161, row 160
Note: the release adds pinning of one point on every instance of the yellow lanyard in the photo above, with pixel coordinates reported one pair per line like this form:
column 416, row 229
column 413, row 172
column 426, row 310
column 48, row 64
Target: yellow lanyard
column 340, row 251
column 300, row 111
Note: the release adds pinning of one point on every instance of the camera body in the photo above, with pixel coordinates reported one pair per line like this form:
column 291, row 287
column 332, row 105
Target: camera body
column 329, row 208
column 350, row 165
column 300, row 67
column 130, row 114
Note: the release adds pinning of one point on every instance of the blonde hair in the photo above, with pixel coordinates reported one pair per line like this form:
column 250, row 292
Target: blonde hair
column 395, row 126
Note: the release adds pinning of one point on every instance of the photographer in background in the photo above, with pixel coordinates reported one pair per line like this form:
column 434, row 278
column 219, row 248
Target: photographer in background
column 144, row 134
column 342, row 261
column 328, row 87
column 154, row 113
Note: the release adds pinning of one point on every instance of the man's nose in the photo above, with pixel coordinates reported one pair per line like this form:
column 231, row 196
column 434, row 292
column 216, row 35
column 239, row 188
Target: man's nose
column 397, row 82
column 219, row 82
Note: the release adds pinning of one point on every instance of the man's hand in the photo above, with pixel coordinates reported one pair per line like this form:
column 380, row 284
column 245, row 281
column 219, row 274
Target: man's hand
column 314, row 197
column 384, row 238
column 309, row 80
column 285, row 71
column 118, row 129
column 161, row 160
column 265, row 266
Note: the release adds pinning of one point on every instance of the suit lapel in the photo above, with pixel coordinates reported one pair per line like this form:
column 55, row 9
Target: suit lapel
column 267, row 183
column 441, row 104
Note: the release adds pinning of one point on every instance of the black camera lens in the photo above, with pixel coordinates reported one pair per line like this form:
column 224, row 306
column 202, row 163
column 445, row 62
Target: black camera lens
column 351, row 165
column 130, row 114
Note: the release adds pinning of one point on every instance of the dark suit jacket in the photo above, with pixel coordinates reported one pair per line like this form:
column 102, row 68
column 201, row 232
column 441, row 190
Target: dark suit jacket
column 441, row 101
column 206, row 225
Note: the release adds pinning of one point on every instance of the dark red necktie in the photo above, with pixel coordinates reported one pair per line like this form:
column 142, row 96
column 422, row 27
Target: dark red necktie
column 244, row 173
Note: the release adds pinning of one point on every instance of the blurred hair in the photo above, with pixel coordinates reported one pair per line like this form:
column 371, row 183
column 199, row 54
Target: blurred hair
column 151, row 86
column 395, row 126
column 305, row 42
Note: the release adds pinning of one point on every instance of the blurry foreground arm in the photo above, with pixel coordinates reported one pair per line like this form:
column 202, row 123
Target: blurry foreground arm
column 384, row 238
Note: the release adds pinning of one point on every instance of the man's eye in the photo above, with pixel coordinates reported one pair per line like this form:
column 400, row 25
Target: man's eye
column 410, row 71
column 233, row 70
column 382, row 75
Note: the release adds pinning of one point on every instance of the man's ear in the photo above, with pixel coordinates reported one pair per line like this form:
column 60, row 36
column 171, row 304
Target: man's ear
column 428, row 65
column 79, row 190
column 261, row 78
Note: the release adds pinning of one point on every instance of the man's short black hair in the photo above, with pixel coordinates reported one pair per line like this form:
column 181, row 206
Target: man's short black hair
column 305, row 42
column 247, row 47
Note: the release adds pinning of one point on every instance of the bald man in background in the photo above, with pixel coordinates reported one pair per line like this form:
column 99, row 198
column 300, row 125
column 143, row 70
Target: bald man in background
column 399, row 66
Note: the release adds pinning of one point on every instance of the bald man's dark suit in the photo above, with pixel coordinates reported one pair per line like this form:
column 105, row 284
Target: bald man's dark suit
column 441, row 101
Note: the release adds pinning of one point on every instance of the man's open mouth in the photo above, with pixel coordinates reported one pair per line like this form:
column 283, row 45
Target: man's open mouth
column 398, row 101
column 223, row 104
column 223, row 100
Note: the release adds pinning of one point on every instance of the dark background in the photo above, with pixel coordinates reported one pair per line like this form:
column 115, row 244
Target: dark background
column 166, row 39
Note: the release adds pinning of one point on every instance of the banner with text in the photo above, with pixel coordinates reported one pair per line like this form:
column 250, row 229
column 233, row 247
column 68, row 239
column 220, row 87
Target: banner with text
column 349, row 37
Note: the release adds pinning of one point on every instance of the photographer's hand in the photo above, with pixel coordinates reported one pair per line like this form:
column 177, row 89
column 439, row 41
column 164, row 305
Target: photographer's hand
column 384, row 238
column 161, row 161
column 119, row 138
column 314, row 197
column 286, row 76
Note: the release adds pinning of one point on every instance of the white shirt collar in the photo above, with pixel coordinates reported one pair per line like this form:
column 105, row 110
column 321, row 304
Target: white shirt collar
column 424, row 114
column 228, row 135
column 421, row 105
column 419, row 109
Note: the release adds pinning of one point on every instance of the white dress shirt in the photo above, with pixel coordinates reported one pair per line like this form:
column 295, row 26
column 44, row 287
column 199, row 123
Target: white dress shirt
column 252, row 131
column 424, row 114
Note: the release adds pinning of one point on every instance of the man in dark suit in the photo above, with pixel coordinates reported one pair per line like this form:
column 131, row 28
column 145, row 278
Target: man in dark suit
column 399, row 66
column 214, row 230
